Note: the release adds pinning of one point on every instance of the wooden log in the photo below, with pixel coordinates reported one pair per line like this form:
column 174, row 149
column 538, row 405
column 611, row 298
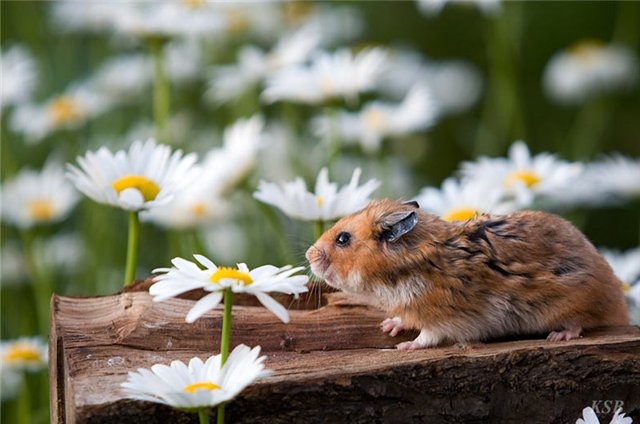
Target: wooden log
column 332, row 364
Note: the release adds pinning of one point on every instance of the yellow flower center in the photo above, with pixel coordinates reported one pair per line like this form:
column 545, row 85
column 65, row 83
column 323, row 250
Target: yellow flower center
column 145, row 186
column 319, row 200
column 63, row 109
column 460, row 214
column 237, row 21
column 40, row 209
column 626, row 287
column 374, row 119
column 193, row 4
column 201, row 385
column 198, row 209
column 586, row 50
column 529, row 178
column 297, row 12
column 22, row 353
column 230, row 273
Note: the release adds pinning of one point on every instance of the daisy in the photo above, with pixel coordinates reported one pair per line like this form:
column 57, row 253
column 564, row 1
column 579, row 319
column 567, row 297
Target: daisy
column 19, row 76
column 197, row 385
column 378, row 120
column 70, row 110
column 434, row 7
column 124, row 78
column 327, row 203
column 616, row 175
column 33, row 198
column 455, row 85
column 523, row 177
column 589, row 417
column 461, row 200
column 145, row 176
column 24, row 354
column 589, row 68
column 186, row 275
column 626, row 266
column 329, row 76
column 253, row 64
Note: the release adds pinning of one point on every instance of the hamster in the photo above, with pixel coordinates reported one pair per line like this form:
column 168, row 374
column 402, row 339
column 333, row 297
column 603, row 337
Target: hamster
column 491, row 276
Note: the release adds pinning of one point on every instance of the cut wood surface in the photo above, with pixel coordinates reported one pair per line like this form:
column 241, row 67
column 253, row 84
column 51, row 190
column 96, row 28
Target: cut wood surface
column 332, row 365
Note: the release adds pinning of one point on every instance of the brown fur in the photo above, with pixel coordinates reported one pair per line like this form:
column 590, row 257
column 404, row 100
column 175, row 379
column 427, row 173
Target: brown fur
column 491, row 276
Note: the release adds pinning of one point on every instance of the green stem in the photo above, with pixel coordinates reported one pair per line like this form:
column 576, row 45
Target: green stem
column 132, row 248
column 160, row 90
column 24, row 406
column 224, row 341
column 590, row 123
column 41, row 282
column 333, row 140
column 203, row 415
column 318, row 229
column 226, row 326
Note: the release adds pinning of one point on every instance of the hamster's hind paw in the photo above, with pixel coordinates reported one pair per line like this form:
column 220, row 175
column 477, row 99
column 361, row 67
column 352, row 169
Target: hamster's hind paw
column 425, row 339
column 393, row 326
column 557, row 336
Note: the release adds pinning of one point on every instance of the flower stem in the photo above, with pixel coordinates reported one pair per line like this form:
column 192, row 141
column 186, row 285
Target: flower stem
column 224, row 341
column 226, row 326
column 132, row 248
column 160, row 90
column 203, row 415
column 318, row 229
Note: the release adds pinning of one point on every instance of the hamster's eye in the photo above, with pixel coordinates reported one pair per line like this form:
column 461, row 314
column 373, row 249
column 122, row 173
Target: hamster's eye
column 343, row 239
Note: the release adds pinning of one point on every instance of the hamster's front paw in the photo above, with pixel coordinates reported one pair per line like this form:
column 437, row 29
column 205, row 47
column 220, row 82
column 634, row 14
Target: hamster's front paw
column 393, row 326
column 568, row 334
column 425, row 339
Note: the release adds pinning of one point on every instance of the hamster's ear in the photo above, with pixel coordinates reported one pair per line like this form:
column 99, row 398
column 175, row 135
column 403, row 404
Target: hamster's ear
column 412, row 203
column 397, row 224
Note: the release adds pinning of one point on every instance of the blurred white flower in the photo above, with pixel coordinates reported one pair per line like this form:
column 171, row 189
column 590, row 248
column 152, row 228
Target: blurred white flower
column 589, row 417
column 326, row 204
column 455, row 85
column 590, row 68
column 184, row 61
column 24, row 354
column 617, row 175
column 72, row 15
column 13, row 268
column 70, row 110
column 378, row 120
column 254, row 64
column 199, row 384
column 62, row 252
column 187, row 275
column 167, row 19
column 10, row 382
column 328, row 76
column 226, row 240
column 434, row 7
column 33, row 198
column 626, row 266
column 146, row 176
column 19, row 76
column 337, row 24
column 523, row 177
column 461, row 200
column 124, row 77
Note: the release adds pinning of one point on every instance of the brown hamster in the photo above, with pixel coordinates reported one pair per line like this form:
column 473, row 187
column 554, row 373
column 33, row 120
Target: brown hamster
column 491, row 276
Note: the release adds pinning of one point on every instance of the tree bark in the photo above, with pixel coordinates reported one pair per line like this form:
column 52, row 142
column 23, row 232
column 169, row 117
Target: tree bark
column 332, row 364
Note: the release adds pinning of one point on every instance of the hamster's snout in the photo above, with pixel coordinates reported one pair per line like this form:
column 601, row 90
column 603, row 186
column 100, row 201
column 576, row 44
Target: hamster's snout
column 318, row 260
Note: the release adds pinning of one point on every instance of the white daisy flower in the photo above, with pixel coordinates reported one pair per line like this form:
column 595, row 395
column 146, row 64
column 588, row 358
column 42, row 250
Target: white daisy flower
column 589, row 417
column 254, row 64
column 199, row 384
column 434, row 7
column 19, row 76
column 125, row 77
column 524, row 177
column 24, row 354
column 379, row 120
column 589, row 68
column 146, row 176
column 33, row 198
column 461, row 200
column 70, row 110
column 617, row 175
column 626, row 266
column 456, row 85
column 327, row 203
column 11, row 381
column 329, row 76
column 186, row 275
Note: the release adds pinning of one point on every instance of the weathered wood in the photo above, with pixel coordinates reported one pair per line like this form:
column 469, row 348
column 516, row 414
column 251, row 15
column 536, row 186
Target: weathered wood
column 330, row 365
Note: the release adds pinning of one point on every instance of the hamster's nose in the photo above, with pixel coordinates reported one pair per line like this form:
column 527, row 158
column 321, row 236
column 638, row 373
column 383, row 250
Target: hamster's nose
column 309, row 253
